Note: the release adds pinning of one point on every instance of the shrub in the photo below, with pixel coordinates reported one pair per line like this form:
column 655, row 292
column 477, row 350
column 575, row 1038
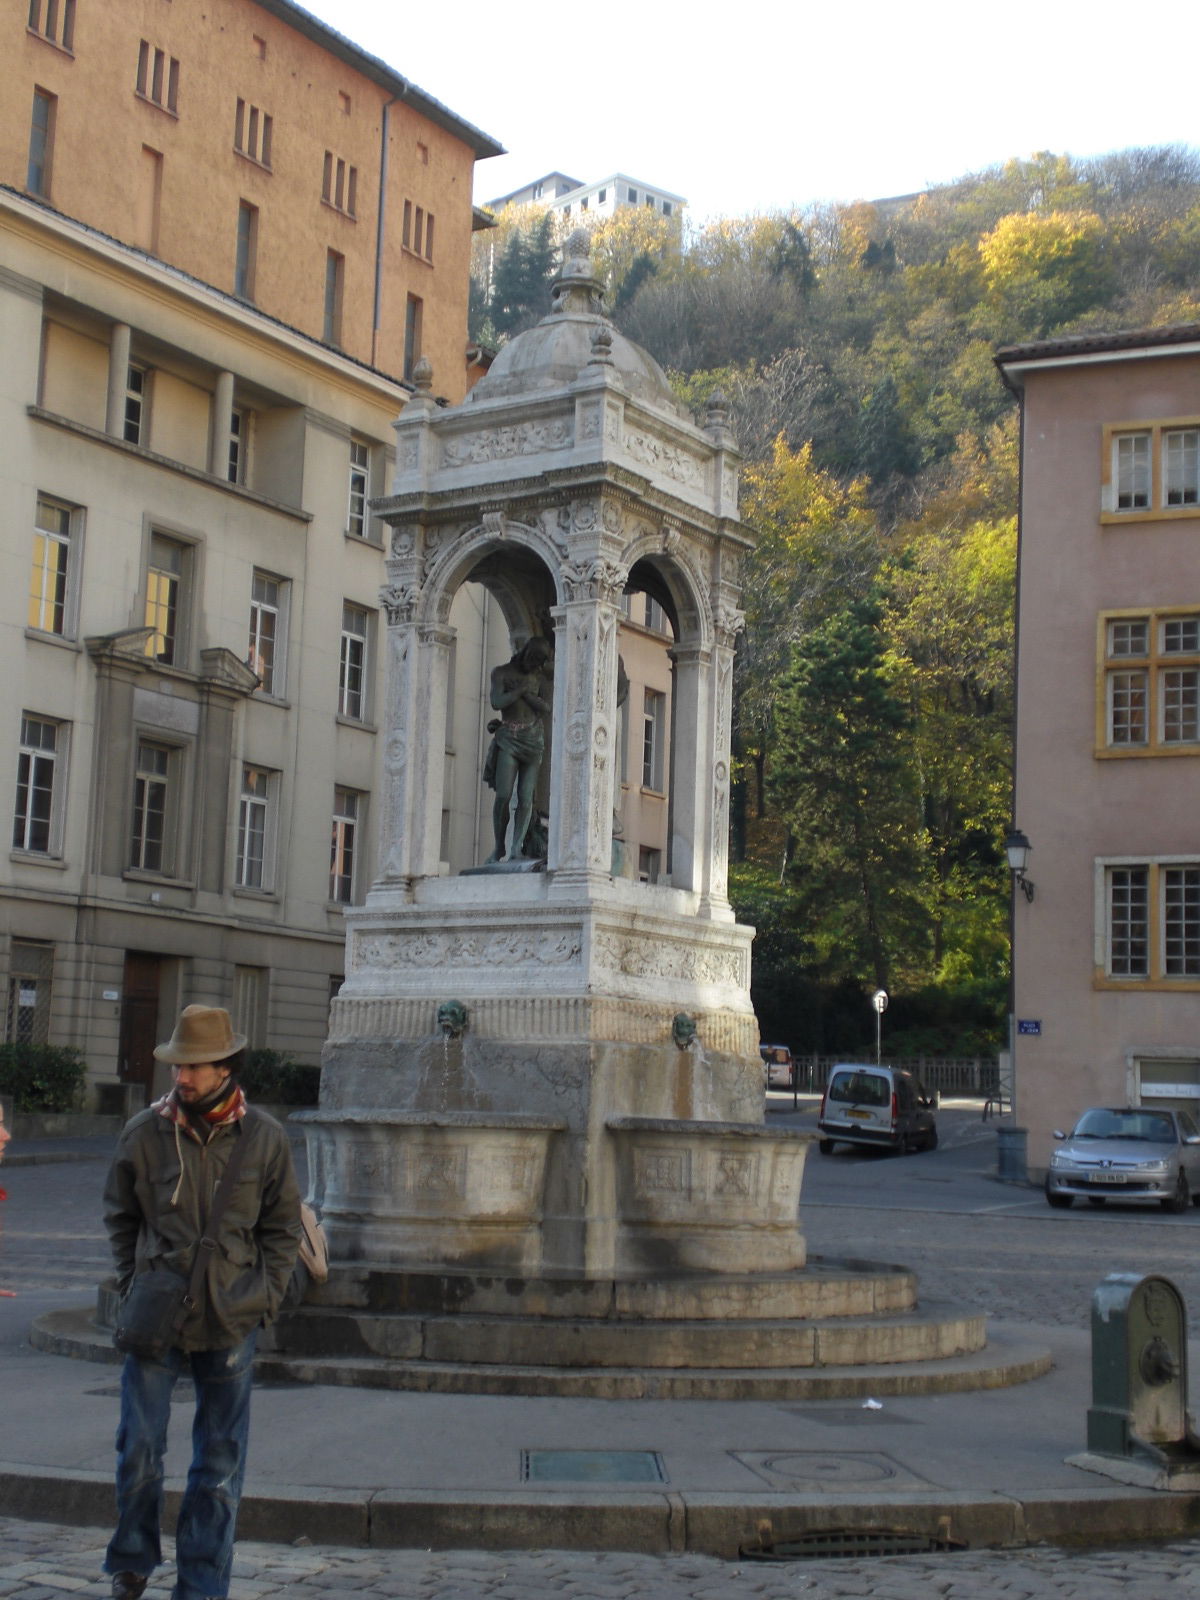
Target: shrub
column 272, row 1076
column 42, row 1077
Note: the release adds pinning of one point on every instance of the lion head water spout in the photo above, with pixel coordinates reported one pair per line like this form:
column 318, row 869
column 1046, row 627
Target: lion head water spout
column 452, row 1019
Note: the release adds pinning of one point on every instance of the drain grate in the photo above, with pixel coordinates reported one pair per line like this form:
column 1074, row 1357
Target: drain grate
column 825, row 1543
column 592, row 1466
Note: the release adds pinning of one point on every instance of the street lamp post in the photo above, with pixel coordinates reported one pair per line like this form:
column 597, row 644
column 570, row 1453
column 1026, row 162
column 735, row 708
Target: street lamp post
column 879, row 1000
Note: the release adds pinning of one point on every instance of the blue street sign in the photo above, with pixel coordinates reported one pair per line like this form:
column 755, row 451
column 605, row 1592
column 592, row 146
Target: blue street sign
column 1029, row 1025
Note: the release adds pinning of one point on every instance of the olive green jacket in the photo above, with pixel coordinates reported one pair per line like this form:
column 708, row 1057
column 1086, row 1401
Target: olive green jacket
column 155, row 1210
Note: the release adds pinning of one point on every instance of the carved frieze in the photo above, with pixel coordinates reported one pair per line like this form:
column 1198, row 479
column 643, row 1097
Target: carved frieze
column 674, row 463
column 502, row 444
column 499, row 947
column 599, row 579
column 646, row 956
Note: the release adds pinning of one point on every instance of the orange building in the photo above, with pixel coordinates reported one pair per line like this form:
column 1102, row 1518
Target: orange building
column 226, row 235
column 259, row 151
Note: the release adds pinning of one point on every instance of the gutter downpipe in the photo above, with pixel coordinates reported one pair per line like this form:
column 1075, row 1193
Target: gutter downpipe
column 377, row 311
column 1017, row 389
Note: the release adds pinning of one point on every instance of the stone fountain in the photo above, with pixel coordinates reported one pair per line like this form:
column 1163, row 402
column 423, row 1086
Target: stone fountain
column 540, row 1152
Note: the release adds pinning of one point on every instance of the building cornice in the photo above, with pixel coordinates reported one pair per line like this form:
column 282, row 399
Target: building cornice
column 386, row 77
column 159, row 278
column 1135, row 344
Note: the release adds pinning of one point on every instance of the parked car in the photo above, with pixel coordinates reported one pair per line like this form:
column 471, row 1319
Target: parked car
column 780, row 1068
column 1127, row 1153
column 883, row 1106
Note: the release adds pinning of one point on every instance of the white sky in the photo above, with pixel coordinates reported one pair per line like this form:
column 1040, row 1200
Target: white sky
column 760, row 105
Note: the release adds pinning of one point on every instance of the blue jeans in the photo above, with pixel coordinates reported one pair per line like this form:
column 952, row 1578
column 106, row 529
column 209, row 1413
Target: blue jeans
column 207, row 1520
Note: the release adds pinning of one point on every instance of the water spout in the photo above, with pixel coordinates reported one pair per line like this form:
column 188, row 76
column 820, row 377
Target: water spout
column 452, row 1018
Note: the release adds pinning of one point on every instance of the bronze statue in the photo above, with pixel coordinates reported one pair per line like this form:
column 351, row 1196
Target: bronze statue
column 518, row 743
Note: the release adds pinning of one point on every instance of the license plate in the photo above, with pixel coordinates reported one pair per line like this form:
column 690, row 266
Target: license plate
column 1107, row 1177
column 859, row 1116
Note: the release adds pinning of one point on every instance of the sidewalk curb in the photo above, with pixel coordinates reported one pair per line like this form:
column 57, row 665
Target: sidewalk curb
column 649, row 1522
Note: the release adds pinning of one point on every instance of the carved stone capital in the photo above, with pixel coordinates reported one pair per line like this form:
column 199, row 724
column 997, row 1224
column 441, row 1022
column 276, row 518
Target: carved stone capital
column 399, row 600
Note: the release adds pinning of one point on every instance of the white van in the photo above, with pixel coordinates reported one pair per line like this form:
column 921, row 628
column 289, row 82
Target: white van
column 885, row 1106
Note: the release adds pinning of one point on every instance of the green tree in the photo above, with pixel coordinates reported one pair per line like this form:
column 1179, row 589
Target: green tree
column 842, row 778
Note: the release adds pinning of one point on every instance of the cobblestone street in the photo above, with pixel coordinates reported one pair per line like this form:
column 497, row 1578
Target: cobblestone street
column 50, row 1563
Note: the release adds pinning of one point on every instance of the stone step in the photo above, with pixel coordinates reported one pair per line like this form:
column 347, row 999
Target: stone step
column 932, row 1333
column 823, row 1288
column 1006, row 1360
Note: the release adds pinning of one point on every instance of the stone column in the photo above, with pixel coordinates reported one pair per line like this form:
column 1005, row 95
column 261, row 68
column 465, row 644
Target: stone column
column 715, row 890
column 690, row 761
column 435, row 645
column 222, row 422
column 585, row 698
column 118, row 379
column 396, row 865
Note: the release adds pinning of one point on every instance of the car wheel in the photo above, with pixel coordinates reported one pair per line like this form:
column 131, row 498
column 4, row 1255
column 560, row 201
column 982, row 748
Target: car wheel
column 1060, row 1202
column 825, row 1146
column 1096, row 1199
column 1181, row 1198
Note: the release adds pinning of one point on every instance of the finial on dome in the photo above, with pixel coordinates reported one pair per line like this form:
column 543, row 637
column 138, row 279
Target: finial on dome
column 717, row 410
column 422, row 375
column 577, row 289
column 602, row 341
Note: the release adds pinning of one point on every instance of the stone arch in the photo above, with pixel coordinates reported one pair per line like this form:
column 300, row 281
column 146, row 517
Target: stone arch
column 517, row 564
column 674, row 567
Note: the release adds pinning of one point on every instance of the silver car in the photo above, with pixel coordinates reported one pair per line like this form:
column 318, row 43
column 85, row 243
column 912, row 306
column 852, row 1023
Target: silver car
column 1127, row 1153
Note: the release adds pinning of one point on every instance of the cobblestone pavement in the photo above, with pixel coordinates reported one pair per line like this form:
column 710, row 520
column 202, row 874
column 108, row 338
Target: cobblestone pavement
column 43, row 1562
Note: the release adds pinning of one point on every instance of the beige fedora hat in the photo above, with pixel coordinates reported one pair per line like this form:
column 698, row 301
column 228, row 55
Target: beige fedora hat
column 203, row 1033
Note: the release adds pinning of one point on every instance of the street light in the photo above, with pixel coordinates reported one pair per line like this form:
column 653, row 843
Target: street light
column 879, row 1000
column 1018, row 850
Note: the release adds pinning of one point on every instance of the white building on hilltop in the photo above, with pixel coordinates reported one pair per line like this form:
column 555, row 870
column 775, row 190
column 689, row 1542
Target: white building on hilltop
column 557, row 192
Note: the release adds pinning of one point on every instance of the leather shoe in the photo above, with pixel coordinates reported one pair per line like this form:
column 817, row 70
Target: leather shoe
column 128, row 1585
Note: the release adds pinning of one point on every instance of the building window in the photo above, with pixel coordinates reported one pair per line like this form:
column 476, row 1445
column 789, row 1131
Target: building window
column 335, row 267
column 650, row 201
column 653, row 731
column 1153, row 470
column 649, row 864
column 360, row 473
column 36, row 816
column 412, row 335
column 27, row 1014
column 246, row 257
column 268, row 632
column 1181, row 466
column 538, row 190
column 52, row 587
column 135, row 405
column 252, row 133
column 344, row 845
column 41, row 143
column 632, row 197
column 253, row 866
column 151, row 795
column 339, row 184
column 1153, row 921
column 352, row 663
column 666, row 208
column 1151, row 668
column 239, row 434
column 166, row 592
column 250, row 1004
column 428, row 251
column 53, row 20
column 602, row 197
column 158, row 77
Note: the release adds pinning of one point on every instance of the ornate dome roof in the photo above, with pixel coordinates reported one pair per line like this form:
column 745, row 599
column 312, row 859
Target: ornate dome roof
column 574, row 335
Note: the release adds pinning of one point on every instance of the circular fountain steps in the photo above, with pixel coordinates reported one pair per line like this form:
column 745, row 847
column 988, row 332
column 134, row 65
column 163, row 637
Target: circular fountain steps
column 832, row 1330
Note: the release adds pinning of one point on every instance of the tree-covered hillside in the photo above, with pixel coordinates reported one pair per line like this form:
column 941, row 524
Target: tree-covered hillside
column 873, row 724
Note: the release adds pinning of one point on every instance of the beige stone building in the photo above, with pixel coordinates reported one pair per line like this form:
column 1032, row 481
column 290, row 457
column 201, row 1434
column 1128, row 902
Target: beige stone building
column 1107, row 952
column 227, row 235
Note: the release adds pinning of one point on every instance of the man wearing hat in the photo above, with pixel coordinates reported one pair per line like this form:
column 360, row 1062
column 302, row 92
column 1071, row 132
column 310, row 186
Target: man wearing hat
column 160, row 1187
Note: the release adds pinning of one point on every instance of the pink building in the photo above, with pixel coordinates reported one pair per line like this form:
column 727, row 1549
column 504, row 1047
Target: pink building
column 1107, row 952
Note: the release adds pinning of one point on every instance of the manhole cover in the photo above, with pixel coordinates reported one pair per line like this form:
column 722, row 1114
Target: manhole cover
column 592, row 1466
column 832, row 1470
